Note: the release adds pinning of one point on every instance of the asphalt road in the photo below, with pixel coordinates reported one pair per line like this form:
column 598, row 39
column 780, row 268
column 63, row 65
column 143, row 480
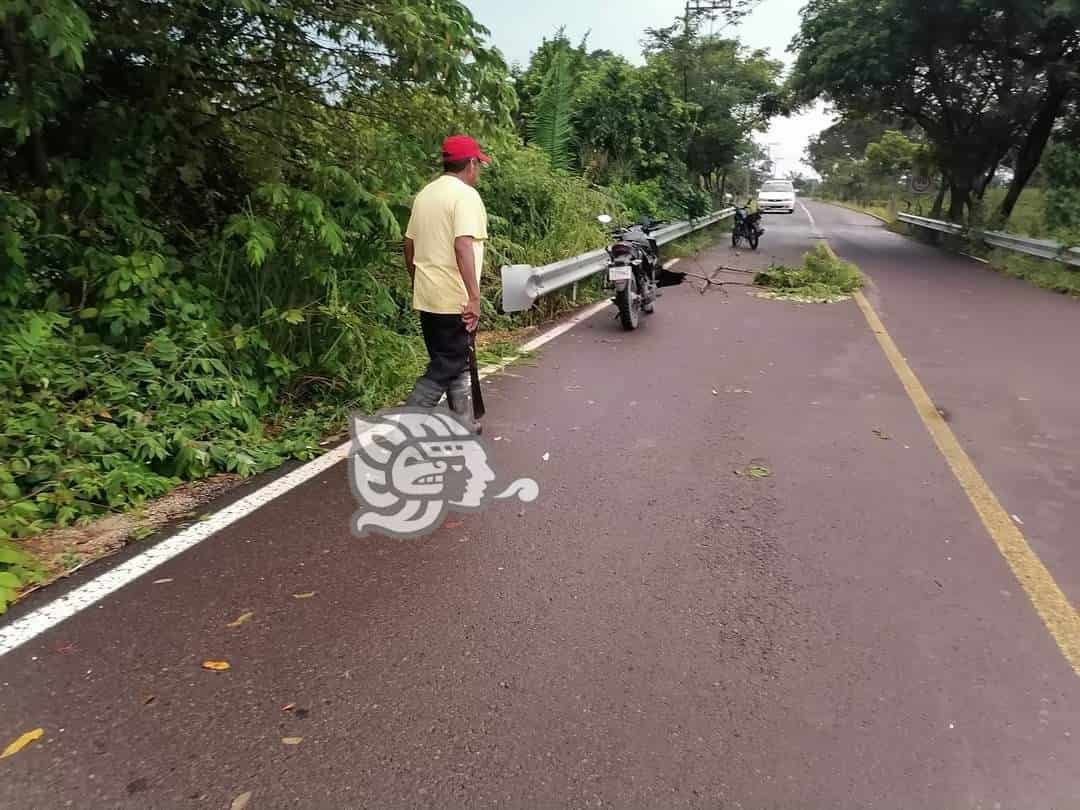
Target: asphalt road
column 655, row 630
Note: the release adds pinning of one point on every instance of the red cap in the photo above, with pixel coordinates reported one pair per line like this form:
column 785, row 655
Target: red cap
column 462, row 147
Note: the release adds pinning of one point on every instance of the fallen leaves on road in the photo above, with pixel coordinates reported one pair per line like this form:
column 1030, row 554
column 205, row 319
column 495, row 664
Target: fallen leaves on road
column 305, row 595
column 546, row 456
column 288, row 707
column 216, row 666
column 881, row 434
column 243, row 618
column 22, row 741
column 292, row 740
column 755, row 471
column 241, row 802
column 162, row 581
column 715, row 393
column 149, row 699
column 454, row 524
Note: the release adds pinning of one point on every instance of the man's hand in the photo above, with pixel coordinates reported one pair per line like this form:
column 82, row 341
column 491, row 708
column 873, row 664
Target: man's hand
column 470, row 313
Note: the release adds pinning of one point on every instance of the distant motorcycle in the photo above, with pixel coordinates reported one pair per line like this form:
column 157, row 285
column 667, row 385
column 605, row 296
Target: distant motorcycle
column 634, row 270
column 747, row 227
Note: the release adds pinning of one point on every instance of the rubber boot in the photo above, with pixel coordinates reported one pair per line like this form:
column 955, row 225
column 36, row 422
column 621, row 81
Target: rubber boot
column 425, row 394
column 459, row 398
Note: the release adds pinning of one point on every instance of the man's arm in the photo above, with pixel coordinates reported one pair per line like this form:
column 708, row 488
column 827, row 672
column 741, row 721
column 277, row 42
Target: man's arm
column 466, row 262
column 410, row 257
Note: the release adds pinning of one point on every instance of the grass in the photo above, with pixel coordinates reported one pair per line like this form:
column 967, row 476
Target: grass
column 1028, row 216
column 823, row 278
column 1048, row 275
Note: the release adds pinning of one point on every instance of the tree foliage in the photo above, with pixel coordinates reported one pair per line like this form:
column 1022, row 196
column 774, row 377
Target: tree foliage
column 678, row 123
column 980, row 78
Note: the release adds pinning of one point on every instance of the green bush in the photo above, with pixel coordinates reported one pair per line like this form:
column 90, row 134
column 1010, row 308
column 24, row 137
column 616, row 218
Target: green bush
column 644, row 200
column 1062, row 168
column 538, row 215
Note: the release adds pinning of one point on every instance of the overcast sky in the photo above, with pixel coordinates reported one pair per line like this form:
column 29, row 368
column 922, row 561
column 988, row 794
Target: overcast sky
column 618, row 25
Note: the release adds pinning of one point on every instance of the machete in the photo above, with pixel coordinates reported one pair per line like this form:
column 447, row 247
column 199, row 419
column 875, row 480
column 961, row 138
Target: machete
column 474, row 372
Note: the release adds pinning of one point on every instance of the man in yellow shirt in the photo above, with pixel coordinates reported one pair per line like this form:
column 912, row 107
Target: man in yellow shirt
column 444, row 254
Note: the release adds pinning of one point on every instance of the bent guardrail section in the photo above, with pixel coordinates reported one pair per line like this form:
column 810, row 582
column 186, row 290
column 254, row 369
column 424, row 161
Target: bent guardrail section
column 522, row 284
column 1041, row 248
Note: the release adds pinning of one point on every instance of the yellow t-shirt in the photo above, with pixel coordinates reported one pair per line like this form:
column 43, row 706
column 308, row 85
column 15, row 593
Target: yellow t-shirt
column 444, row 210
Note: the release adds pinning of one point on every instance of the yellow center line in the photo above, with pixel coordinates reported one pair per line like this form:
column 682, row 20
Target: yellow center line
column 1050, row 602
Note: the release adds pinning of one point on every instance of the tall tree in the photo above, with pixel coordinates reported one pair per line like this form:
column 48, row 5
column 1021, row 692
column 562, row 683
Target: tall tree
column 734, row 92
column 847, row 139
column 979, row 77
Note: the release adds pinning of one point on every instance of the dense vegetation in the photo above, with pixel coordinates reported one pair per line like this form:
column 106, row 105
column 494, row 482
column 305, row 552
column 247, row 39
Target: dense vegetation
column 969, row 94
column 202, row 206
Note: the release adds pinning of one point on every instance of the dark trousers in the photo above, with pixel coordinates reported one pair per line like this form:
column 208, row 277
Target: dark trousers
column 447, row 342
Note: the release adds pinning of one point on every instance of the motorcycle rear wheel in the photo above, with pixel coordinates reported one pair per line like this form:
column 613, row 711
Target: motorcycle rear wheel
column 753, row 241
column 629, row 305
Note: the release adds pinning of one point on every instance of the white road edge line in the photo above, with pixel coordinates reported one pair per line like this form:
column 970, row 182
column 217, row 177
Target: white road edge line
column 810, row 216
column 64, row 607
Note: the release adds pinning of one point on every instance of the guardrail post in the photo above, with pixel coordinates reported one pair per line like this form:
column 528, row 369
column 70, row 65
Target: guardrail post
column 515, row 279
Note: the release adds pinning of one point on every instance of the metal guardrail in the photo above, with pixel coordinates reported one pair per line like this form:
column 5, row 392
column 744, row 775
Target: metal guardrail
column 522, row 284
column 1042, row 248
column 932, row 224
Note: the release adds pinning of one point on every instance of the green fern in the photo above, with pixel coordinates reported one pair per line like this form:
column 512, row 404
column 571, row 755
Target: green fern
column 551, row 129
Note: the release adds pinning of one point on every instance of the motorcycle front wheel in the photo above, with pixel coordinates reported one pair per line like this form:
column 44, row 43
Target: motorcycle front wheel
column 629, row 305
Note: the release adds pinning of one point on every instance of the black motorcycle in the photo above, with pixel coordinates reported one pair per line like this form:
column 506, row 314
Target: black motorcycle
column 747, row 227
column 634, row 270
